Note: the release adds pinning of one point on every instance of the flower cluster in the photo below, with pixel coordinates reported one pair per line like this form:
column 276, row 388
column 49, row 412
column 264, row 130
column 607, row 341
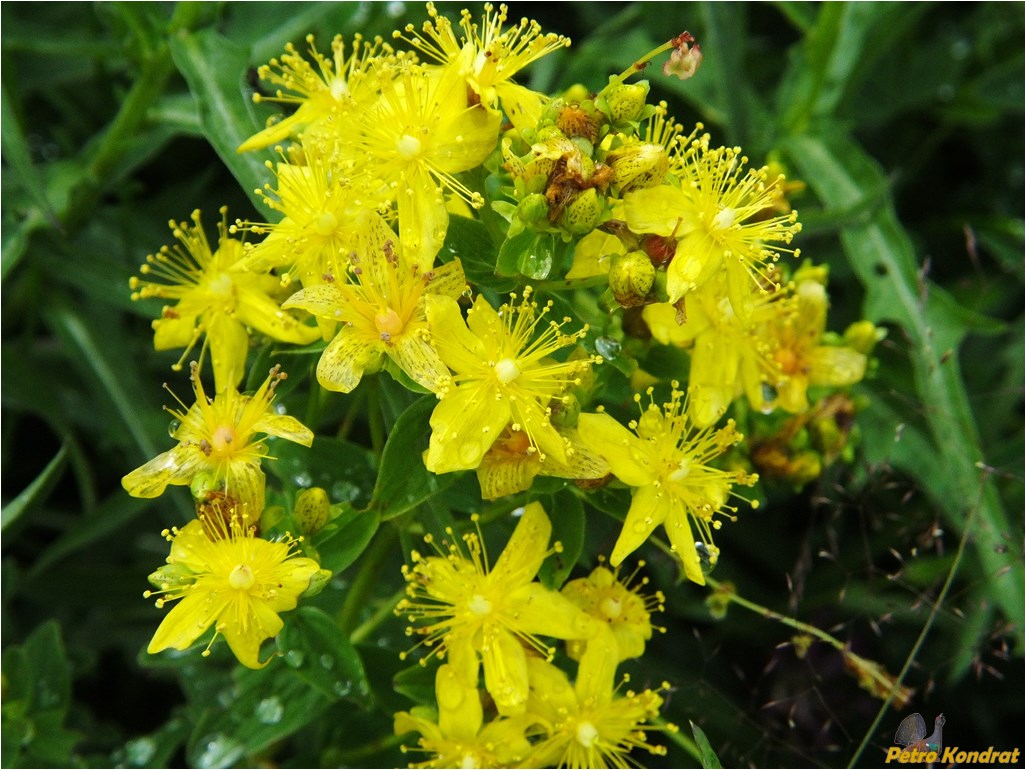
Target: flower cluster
column 412, row 186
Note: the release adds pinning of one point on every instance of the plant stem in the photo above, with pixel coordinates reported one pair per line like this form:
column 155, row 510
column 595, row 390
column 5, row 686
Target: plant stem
column 371, row 564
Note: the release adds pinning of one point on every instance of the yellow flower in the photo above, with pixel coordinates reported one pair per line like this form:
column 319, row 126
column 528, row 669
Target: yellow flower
column 503, row 374
column 326, row 215
column 414, row 139
column 325, row 95
column 457, row 735
column 589, row 724
column 510, row 466
column 666, row 459
column 729, row 355
column 488, row 57
column 716, row 217
column 218, row 444
column 227, row 577
column 803, row 359
column 623, row 607
column 480, row 615
column 216, row 294
column 382, row 312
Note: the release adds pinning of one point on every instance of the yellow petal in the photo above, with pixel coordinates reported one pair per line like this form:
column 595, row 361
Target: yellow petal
column 245, row 638
column 263, row 314
column 283, row 426
column 618, row 446
column 229, row 345
column 485, row 323
column 323, row 300
column 713, row 381
column 414, row 354
column 505, row 672
column 655, row 209
column 836, row 366
column 448, row 279
column 524, row 553
column 171, row 333
column 458, row 347
column 678, row 530
column 292, row 578
column 423, row 219
column 459, row 707
column 501, row 475
column 648, row 510
column 597, row 668
column 344, row 361
column 245, row 483
column 187, row 621
column 176, row 466
column 463, row 427
column 540, row 610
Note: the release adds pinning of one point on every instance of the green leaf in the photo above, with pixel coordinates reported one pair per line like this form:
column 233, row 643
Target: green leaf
column 881, row 254
column 314, row 647
column 403, row 481
column 708, row 758
column 342, row 541
column 566, row 512
column 214, row 68
column 37, row 694
column 343, row 469
column 260, row 709
column 417, row 683
column 37, row 491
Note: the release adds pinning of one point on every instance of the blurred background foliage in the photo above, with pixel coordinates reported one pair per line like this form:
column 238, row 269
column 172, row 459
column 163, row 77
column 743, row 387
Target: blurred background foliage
column 905, row 122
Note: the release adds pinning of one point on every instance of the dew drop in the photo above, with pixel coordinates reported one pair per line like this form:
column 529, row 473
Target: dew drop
column 139, row 752
column 294, row 658
column 172, row 427
column 327, row 662
column 219, row 751
column 470, row 452
column 303, row 480
column 342, row 689
column 269, row 711
column 607, row 347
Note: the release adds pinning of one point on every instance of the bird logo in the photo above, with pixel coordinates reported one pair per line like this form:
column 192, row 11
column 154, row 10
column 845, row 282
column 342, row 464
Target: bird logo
column 912, row 734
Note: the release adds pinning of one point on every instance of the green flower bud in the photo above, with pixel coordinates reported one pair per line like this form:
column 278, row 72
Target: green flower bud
column 576, row 93
column 171, row 576
column 565, row 412
column 318, row 580
column 311, row 511
column 631, row 277
column 626, row 101
column 862, row 336
column 638, row 166
column 583, row 213
column 533, row 209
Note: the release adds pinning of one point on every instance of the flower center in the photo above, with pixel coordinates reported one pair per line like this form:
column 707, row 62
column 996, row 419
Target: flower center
column 325, row 224
column 408, row 147
column 479, row 605
column 339, row 88
column 241, row 577
column 222, row 438
column 220, row 286
column 469, row 761
column 611, row 607
column 507, row 370
column 682, row 470
column 586, row 734
column 787, row 359
column 388, row 323
column 724, row 220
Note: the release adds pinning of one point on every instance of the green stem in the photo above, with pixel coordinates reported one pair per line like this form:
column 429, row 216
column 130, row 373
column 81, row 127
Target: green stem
column 914, row 652
column 371, row 565
column 384, row 611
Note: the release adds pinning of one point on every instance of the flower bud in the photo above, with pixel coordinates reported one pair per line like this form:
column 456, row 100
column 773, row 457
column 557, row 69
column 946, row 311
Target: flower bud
column 862, row 336
column 631, row 277
column 626, row 101
column 583, row 213
column 533, row 209
column 318, row 580
column 565, row 411
column 311, row 511
column 638, row 166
